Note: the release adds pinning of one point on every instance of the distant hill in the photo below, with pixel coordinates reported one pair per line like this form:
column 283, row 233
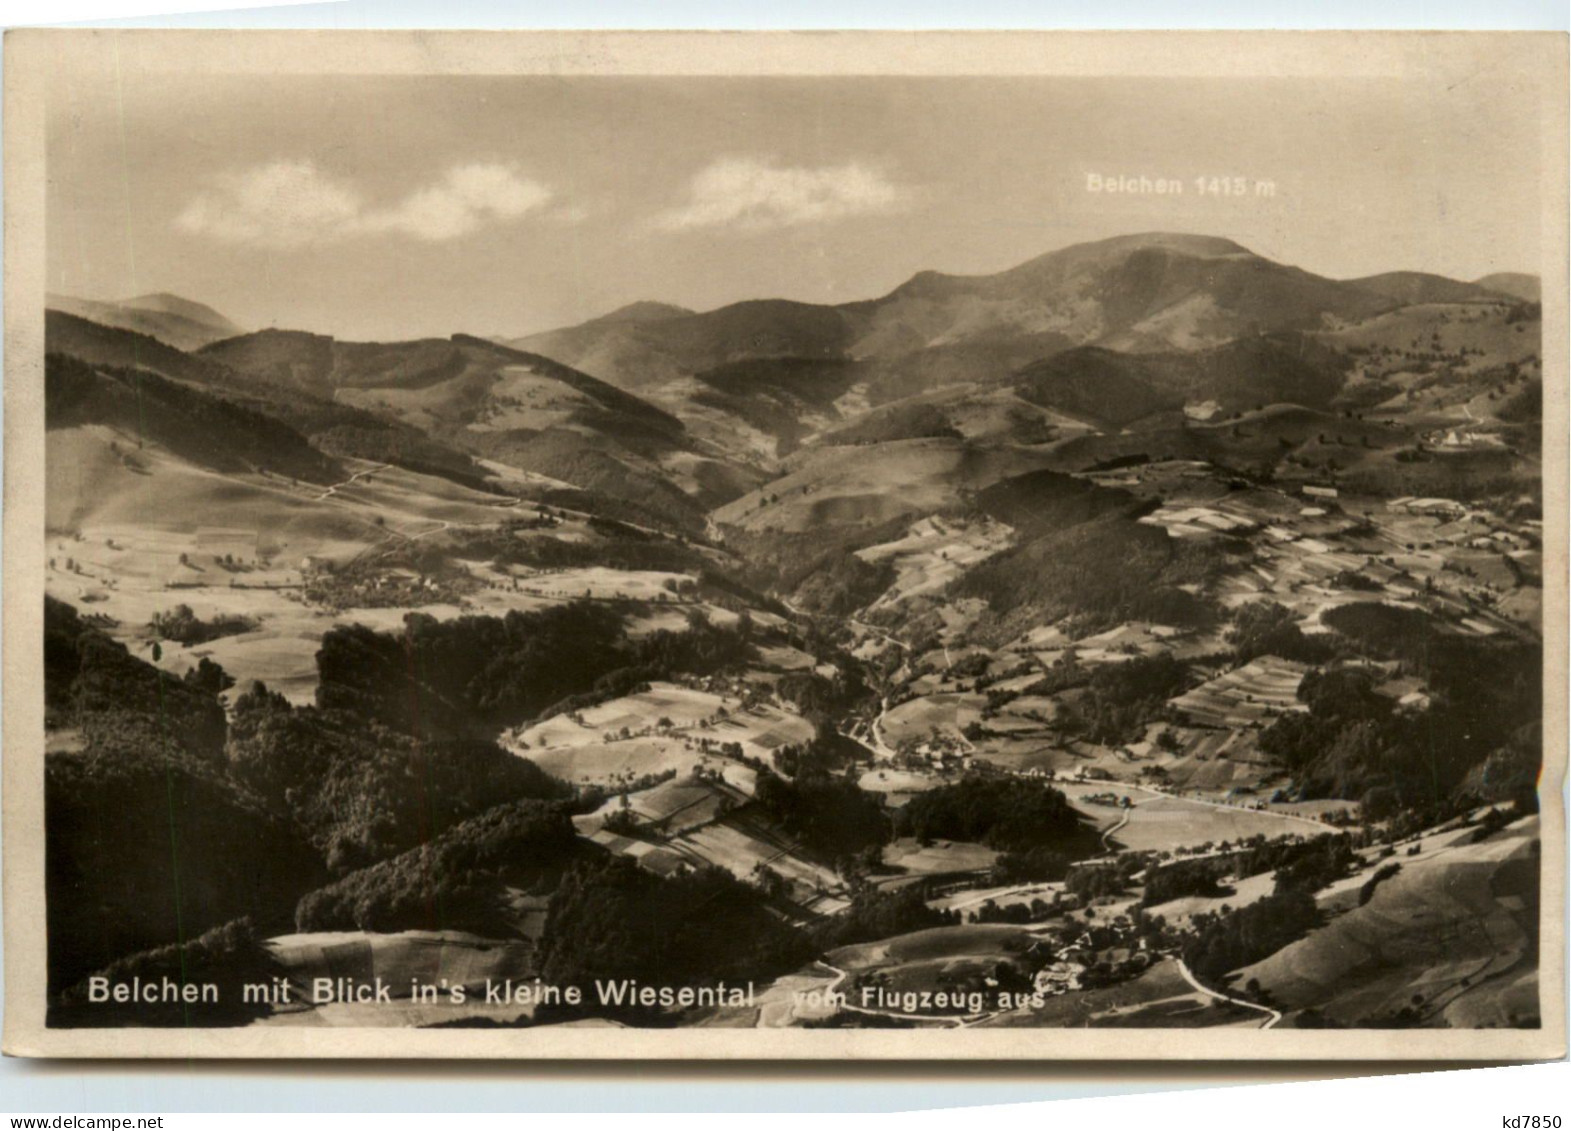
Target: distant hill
column 903, row 420
column 341, row 430
column 505, row 404
column 457, row 381
column 287, row 358
column 196, row 425
column 645, row 311
column 862, row 486
column 784, row 398
column 99, row 344
column 1099, row 385
column 173, row 320
column 1090, row 399
column 1413, row 287
column 1147, row 293
column 1114, row 388
column 1153, row 291
column 176, row 307
column 1041, row 502
column 678, row 413
column 1150, row 292
column 1065, row 571
column 435, row 404
column 1515, row 284
column 635, row 352
column 337, row 430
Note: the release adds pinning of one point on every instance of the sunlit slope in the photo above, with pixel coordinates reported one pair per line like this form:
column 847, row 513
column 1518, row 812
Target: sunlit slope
column 1448, row 940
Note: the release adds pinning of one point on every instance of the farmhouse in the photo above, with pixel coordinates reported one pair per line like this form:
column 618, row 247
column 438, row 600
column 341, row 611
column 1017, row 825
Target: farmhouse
column 1059, row 978
column 1438, row 508
column 1414, row 701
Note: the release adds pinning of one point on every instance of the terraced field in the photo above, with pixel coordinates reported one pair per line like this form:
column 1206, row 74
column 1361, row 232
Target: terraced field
column 933, row 553
column 740, row 845
column 1214, row 762
column 1246, row 696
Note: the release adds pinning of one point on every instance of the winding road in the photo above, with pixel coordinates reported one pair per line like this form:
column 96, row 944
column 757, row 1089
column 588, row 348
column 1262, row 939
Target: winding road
column 1272, row 1018
column 333, row 490
column 878, row 746
column 1107, row 834
column 1321, row 826
column 955, row 1022
column 871, row 630
column 875, row 729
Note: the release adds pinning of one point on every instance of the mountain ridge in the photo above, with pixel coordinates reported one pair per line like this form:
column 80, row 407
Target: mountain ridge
column 172, row 319
column 1517, row 284
column 1137, row 293
column 1414, row 287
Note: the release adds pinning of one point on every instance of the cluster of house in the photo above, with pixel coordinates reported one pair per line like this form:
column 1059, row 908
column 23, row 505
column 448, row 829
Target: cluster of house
column 1100, row 955
column 1463, row 439
column 937, row 752
column 1435, row 508
column 1474, row 527
column 1110, row 799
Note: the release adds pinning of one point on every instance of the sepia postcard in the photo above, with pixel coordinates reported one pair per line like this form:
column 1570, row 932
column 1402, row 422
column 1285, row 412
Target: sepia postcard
column 836, row 546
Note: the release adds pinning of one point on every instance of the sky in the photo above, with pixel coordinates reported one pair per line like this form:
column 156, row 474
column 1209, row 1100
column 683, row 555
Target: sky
column 378, row 208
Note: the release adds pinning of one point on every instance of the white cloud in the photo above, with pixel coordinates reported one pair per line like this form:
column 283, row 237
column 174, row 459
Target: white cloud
column 747, row 192
column 284, row 204
column 289, row 204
